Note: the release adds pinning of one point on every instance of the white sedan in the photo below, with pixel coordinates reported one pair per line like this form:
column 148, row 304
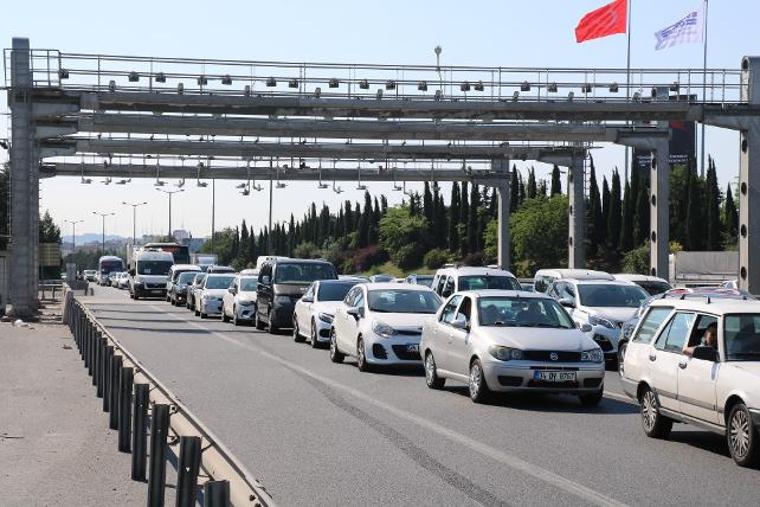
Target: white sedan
column 208, row 299
column 314, row 312
column 381, row 324
column 509, row 341
column 239, row 302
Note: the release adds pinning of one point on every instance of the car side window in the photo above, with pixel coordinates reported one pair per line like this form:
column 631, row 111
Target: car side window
column 448, row 288
column 359, row 301
column 440, row 282
column 703, row 321
column 674, row 334
column 465, row 310
column 652, row 321
column 447, row 315
column 350, row 297
column 310, row 292
column 568, row 291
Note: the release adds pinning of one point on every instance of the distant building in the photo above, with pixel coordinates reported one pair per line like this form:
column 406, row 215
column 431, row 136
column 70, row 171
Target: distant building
column 180, row 235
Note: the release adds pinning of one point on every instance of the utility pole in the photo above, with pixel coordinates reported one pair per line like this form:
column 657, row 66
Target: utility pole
column 134, row 205
column 103, row 237
column 73, row 233
column 170, row 193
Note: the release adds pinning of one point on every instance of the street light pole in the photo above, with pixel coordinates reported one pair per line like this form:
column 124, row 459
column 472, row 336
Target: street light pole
column 73, row 233
column 134, row 205
column 170, row 193
column 103, row 237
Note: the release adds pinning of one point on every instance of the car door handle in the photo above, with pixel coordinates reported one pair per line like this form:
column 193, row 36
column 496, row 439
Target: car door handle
column 652, row 357
column 683, row 365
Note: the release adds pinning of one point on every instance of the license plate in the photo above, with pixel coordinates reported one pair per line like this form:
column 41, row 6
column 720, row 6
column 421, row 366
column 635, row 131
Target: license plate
column 554, row 376
column 413, row 348
column 157, row 291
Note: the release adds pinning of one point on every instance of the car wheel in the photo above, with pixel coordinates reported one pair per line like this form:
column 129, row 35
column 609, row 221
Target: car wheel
column 197, row 313
column 742, row 437
column 361, row 356
column 592, row 400
column 203, row 315
column 296, row 332
column 313, row 334
column 432, row 379
column 479, row 392
column 654, row 423
column 621, row 357
column 336, row 356
column 272, row 328
column 235, row 320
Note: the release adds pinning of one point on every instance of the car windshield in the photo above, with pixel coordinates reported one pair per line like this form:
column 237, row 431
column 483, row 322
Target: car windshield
column 248, row 284
column 186, row 277
column 742, row 335
column 654, row 288
column 219, row 282
column 304, row 273
column 611, row 295
column 107, row 267
column 522, row 312
column 427, row 281
column 478, row 282
column 154, row 267
column 334, row 291
column 403, row 301
column 199, row 279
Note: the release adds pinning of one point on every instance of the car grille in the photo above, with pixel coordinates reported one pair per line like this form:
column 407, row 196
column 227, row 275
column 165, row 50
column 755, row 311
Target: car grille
column 405, row 355
column 509, row 381
column 542, row 383
column 409, row 332
column 155, row 285
column 603, row 342
column 545, row 355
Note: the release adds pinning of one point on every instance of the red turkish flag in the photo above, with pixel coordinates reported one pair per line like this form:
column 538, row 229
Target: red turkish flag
column 604, row 21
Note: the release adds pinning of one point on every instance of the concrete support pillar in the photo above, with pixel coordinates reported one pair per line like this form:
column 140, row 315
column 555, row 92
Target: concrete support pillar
column 749, row 183
column 502, row 189
column 24, row 172
column 576, row 213
column 659, row 214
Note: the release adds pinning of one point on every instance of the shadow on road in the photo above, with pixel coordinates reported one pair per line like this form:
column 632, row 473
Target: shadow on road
column 705, row 440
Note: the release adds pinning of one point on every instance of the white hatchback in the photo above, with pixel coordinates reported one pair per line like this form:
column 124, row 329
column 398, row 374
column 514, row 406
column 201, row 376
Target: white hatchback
column 676, row 372
column 511, row 341
column 314, row 312
column 381, row 324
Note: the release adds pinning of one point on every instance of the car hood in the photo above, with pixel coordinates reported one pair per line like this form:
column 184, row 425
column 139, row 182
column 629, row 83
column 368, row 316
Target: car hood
column 214, row 292
column 328, row 307
column 611, row 313
column 408, row 321
column 291, row 289
column 525, row 338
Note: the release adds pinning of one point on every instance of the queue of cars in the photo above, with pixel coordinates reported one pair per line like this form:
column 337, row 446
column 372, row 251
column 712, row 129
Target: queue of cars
column 481, row 328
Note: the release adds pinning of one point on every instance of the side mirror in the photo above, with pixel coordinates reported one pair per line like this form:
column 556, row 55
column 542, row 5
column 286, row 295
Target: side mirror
column 131, row 272
column 307, row 299
column 356, row 312
column 706, row 354
column 265, row 279
column 460, row 323
column 585, row 328
column 567, row 302
column 232, row 290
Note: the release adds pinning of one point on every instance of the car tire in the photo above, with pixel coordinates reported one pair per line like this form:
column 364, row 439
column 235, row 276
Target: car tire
column 477, row 386
column 593, row 399
column 235, row 320
column 361, row 356
column 314, row 339
column 336, row 356
column 742, row 437
column 432, row 379
column 204, row 315
column 296, row 332
column 197, row 313
column 655, row 424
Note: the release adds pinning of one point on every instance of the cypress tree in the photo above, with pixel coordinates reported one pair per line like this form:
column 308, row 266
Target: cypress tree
column 626, row 233
column 365, row 222
column 348, row 220
column 605, row 201
column 641, row 216
column 614, row 219
column 595, row 219
column 694, row 224
column 243, row 247
column 556, row 188
column 712, row 204
column 427, row 204
column 252, row 246
column 383, row 204
column 464, row 213
column 531, row 190
column 493, row 204
column 291, row 235
column 454, row 213
column 521, row 191
column 514, row 190
column 472, row 219
column 541, row 190
column 730, row 219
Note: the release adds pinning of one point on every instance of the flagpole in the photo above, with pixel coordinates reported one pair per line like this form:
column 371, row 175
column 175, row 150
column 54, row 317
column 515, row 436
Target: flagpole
column 628, row 79
column 704, row 84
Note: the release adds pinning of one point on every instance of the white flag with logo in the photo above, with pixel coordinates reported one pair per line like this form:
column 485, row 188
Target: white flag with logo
column 688, row 29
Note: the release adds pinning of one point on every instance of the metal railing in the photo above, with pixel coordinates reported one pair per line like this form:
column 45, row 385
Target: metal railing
column 79, row 71
column 135, row 399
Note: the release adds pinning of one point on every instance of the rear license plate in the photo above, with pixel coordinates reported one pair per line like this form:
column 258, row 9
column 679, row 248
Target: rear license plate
column 413, row 348
column 554, row 376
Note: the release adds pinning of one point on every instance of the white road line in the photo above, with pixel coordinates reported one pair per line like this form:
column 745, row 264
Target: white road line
column 509, row 460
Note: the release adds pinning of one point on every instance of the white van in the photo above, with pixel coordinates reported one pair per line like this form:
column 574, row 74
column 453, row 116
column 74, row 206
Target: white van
column 544, row 277
column 149, row 272
column 108, row 264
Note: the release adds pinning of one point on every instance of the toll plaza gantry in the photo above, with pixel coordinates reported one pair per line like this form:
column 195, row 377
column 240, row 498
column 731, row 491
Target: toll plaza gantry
column 118, row 116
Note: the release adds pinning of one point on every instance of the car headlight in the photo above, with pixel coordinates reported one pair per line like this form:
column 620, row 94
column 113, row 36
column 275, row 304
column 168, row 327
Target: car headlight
column 282, row 300
column 592, row 356
column 383, row 329
column 326, row 318
column 505, row 353
column 598, row 321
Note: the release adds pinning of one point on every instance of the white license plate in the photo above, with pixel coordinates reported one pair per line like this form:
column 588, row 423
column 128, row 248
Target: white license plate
column 554, row 376
column 413, row 348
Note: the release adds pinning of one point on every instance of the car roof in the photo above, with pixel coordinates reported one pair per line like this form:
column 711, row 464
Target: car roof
column 475, row 270
column 505, row 293
column 708, row 305
column 578, row 274
column 340, row 281
column 394, row 286
column 597, row 281
column 217, row 275
column 634, row 277
column 188, row 267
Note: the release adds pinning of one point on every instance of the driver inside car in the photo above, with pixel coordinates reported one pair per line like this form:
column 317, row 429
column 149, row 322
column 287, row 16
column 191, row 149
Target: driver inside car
column 709, row 339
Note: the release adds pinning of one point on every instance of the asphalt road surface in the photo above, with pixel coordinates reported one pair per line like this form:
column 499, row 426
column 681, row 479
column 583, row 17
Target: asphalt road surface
column 317, row 433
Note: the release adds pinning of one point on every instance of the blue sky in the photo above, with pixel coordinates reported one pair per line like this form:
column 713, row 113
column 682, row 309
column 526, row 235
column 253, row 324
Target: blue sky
column 506, row 33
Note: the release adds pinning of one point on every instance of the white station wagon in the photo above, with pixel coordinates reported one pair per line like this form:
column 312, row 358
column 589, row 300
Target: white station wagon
column 680, row 371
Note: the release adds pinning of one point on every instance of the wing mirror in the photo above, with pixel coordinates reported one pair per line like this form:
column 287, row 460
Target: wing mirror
column 567, row 302
column 232, row 290
column 585, row 328
column 460, row 323
column 357, row 312
column 265, row 279
column 705, row 353
column 307, row 299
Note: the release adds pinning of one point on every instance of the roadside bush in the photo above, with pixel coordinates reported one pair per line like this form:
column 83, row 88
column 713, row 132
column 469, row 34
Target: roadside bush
column 637, row 260
column 364, row 258
column 436, row 258
column 307, row 250
column 474, row 259
column 408, row 256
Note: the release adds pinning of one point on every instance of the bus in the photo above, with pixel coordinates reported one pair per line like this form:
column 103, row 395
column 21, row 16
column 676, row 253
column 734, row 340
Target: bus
column 107, row 264
column 181, row 253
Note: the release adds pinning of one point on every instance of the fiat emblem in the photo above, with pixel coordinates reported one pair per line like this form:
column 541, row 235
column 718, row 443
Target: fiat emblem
column 553, row 356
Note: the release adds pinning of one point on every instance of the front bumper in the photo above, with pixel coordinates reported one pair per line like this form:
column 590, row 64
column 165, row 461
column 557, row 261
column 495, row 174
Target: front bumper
column 211, row 307
column 397, row 350
column 607, row 339
column 149, row 290
column 520, row 376
column 323, row 330
column 245, row 312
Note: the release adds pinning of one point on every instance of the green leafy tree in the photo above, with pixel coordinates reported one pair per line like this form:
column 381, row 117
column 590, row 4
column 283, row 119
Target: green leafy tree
column 472, row 219
column 49, row 232
column 548, row 247
column 402, row 235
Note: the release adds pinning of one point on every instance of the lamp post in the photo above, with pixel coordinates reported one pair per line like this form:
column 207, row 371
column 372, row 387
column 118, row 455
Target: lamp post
column 134, row 205
column 103, row 237
column 73, row 233
column 170, row 193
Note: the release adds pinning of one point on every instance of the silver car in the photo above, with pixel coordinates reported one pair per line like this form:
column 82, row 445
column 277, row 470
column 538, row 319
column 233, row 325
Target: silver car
column 510, row 341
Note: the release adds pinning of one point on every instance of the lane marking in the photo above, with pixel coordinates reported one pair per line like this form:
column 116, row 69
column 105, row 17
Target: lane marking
column 514, row 462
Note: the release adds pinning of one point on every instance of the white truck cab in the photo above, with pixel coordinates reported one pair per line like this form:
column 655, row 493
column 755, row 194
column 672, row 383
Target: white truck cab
column 149, row 272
